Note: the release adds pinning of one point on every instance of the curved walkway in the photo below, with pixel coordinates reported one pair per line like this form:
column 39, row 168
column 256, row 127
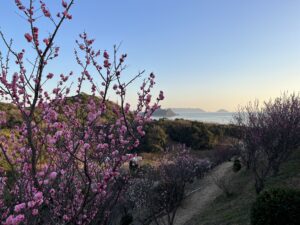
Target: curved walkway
column 199, row 199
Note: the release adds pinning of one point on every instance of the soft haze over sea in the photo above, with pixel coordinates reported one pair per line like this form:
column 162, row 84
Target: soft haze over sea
column 208, row 117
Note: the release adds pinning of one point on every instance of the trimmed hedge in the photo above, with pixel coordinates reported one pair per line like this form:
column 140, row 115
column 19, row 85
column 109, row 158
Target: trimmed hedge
column 276, row 207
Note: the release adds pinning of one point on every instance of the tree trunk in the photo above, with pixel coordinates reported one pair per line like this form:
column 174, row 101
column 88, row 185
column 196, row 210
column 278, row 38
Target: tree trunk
column 259, row 185
column 275, row 170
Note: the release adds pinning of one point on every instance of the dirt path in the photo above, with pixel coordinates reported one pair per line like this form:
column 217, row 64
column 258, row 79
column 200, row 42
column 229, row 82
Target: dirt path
column 198, row 200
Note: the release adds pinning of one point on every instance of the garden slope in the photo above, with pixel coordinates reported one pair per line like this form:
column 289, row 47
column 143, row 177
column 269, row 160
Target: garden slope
column 199, row 199
column 235, row 210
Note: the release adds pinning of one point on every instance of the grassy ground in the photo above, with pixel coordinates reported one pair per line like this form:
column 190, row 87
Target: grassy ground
column 4, row 132
column 235, row 210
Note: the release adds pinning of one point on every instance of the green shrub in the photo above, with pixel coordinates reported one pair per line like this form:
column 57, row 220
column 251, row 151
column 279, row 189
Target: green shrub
column 237, row 165
column 13, row 116
column 155, row 139
column 193, row 134
column 276, row 207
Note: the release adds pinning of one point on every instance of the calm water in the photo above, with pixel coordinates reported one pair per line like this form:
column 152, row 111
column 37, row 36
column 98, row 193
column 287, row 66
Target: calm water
column 221, row 118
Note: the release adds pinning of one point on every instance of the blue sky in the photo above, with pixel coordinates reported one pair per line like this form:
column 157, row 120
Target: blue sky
column 210, row 54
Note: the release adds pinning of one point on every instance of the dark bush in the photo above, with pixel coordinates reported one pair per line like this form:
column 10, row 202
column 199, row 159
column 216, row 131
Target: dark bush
column 13, row 116
column 159, row 190
column 237, row 165
column 217, row 129
column 222, row 154
column 231, row 130
column 193, row 134
column 155, row 139
column 276, row 207
column 126, row 220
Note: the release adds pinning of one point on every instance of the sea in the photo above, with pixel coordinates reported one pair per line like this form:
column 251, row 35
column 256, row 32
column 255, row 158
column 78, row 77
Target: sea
column 208, row 117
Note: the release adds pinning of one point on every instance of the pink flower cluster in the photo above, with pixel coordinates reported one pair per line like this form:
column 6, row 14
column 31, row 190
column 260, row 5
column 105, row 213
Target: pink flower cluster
column 68, row 152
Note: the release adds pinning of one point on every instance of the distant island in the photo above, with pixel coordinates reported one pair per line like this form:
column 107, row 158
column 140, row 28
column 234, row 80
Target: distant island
column 222, row 111
column 164, row 113
column 182, row 110
column 194, row 110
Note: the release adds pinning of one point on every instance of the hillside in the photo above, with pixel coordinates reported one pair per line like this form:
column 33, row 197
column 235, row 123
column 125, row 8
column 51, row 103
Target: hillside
column 203, row 196
column 14, row 117
column 235, row 210
column 164, row 113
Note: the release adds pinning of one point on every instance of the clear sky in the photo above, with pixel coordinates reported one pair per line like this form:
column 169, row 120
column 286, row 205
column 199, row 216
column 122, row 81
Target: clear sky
column 206, row 53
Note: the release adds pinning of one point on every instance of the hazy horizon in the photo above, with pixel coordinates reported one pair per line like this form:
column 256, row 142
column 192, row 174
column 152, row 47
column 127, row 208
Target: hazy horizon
column 206, row 54
column 197, row 108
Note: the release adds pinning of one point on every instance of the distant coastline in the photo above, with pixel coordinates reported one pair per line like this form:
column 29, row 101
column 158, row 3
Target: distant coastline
column 220, row 116
column 198, row 110
column 164, row 113
column 222, row 111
